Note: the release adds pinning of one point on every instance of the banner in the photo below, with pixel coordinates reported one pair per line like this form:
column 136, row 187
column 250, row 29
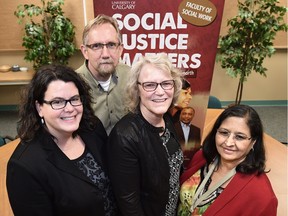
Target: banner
column 187, row 30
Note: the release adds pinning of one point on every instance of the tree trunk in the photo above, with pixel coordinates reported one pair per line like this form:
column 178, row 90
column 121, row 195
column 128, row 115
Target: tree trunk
column 239, row 92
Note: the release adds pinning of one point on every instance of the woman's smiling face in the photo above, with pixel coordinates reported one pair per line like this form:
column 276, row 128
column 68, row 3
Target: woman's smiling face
column 184, row 98
column 65, row 120
column 233, row 140
column 157, row 102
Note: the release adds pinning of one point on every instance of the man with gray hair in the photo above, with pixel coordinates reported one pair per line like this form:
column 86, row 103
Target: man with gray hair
column 102, row 48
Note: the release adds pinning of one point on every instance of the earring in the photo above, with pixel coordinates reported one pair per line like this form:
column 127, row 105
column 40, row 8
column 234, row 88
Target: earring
column 42, row 121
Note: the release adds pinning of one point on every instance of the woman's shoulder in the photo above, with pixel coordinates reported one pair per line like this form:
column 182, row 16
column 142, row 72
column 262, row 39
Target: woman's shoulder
column 257, row 182
column 253, row 188
column 130, row 120
column 29, row 154
column 99, row 128
column 198, row 160
column 195, row 164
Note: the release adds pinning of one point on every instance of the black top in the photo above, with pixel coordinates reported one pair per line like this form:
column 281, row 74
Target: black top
column 41, row 180
column 140, row 167
column 89, row 166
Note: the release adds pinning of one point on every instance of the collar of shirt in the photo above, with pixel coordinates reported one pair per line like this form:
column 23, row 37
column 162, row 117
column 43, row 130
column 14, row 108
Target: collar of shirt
column 185, row 125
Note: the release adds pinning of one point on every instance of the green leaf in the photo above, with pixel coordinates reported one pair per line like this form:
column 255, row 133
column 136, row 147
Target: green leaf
column 52, row 39
column 250, row 36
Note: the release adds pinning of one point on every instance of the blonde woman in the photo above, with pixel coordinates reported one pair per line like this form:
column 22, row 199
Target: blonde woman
column 144, row 156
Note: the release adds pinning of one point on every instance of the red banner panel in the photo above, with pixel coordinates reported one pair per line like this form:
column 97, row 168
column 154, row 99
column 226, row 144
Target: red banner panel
column 187, row 31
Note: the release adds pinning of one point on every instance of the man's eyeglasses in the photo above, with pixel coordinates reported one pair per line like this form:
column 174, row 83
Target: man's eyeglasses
column 237, row 137
column 152, row 86
column 61, row 103
column 100, row 46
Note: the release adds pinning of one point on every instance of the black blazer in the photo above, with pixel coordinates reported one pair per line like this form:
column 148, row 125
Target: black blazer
column 194, row 138
column 138, row 166
column 41, row 180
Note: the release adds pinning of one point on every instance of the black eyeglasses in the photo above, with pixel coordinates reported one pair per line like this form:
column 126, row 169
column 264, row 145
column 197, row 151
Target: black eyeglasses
column 61, row 103
column 237, row 137
column 152, row 86
column 100, row 46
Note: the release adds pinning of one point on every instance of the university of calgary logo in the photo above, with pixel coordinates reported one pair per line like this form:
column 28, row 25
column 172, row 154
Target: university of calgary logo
column 123, row 5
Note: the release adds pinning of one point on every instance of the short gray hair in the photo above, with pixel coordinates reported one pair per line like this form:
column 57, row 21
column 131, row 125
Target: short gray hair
column 161, row 61
column 100, row 20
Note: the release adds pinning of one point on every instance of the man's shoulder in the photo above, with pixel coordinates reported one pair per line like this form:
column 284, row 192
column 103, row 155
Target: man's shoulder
column 82, row 69
column 194, row 126
column 85, row 73
column 122, row 68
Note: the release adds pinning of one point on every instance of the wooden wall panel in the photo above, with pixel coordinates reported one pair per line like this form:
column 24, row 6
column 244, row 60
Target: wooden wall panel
column 11, row 32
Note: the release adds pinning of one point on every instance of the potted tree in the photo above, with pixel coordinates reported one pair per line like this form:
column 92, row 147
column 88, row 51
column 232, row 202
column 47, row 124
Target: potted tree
column 50, row 39
column 249, row 39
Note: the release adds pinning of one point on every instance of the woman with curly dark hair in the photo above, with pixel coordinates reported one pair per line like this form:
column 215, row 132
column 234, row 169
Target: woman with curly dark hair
column 59, row 166
column 228, row 177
